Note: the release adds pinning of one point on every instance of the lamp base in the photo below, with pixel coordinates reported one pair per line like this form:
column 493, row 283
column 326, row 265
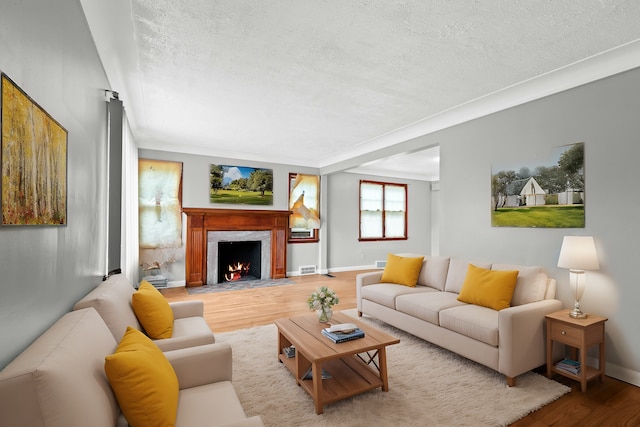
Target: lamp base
column 577, row 314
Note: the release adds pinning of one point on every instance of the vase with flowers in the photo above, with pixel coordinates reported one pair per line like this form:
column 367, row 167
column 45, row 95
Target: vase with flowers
column 322, row 300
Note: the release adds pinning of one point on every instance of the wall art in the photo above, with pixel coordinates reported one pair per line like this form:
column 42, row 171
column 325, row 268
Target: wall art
column 240, row 185
column 547, row 194
column 159, row 204
column 34, row 161
column 304, row 204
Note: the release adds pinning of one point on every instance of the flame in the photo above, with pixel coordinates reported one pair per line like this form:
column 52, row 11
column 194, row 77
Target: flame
column 236, row 271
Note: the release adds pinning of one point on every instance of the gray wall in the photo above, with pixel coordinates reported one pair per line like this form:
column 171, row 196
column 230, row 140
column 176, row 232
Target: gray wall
column 46, row 48
column 195, row 194
column 339, row 248
column 605, row 115
column 344, row 249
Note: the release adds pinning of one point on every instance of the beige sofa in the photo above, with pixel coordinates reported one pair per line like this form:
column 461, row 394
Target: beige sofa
column 112, row 300
column 510, row 341
column 59, row 381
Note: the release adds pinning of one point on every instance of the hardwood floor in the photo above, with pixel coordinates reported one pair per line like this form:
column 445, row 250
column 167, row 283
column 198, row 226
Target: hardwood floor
column 610, row 403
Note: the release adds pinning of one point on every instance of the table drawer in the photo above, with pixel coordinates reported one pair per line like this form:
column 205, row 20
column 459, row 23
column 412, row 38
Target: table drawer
column 566, row 334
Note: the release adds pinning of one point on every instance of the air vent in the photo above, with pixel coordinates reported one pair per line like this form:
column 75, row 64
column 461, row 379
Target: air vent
column 307, row 269
column 381, row 264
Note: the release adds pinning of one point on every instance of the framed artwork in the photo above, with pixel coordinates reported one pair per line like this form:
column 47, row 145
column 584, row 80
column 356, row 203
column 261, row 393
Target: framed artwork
column 304, row 204
column 34, row 161
column 547, row 194
column 240, row 185
column 159, row 204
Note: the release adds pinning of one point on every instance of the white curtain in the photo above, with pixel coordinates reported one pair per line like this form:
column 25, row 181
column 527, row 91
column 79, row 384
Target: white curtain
column 130, row 252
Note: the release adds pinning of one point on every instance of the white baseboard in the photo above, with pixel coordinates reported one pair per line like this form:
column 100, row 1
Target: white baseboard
column 622, row 374
column 336, row 270
column 353, row 268
column 177, row 284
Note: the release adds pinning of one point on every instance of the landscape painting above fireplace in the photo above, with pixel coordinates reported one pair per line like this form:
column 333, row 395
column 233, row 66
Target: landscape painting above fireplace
column 240, row 185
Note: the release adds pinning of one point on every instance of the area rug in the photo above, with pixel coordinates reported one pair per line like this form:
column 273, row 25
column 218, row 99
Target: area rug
column 237, row 285
column 428, row 386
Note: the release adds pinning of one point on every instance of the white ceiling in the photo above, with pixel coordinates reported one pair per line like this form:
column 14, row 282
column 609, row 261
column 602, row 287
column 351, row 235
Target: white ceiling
column 335, row 84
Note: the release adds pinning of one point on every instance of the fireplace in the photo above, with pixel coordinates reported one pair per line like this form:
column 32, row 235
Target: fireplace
column 239, row 261
column 224, row 244
column 206, row 226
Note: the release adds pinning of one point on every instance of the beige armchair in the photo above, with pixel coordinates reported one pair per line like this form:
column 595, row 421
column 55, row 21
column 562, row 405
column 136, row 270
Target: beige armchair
column 112, row 300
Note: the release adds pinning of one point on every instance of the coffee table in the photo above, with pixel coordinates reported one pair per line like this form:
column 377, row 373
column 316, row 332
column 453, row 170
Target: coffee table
column 350, row 364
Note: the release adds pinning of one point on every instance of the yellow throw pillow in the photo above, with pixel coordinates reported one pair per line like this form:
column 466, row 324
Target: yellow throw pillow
column 143, row 381
column 488, row 288
column 402, row 270
column 153, row 311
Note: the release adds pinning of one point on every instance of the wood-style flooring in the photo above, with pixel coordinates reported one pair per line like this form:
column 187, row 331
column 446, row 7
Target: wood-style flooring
column 610, row 403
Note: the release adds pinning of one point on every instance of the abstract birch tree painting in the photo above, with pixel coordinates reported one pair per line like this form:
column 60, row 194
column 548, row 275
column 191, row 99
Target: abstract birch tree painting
column 34, row 162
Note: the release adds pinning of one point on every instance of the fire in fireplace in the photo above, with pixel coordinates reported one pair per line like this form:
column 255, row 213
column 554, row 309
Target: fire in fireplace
column 236, row 271
column 239, row 260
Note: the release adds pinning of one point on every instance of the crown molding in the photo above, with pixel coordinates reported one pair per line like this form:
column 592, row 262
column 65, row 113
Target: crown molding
column 605, row 64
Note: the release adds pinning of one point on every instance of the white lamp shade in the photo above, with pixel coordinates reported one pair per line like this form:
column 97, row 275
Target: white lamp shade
column 578, row 253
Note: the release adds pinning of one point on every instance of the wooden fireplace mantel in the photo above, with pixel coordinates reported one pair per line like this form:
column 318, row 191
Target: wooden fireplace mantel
column 201, row 220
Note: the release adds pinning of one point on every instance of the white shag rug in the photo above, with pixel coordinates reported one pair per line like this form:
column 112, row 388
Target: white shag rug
column 428, row 386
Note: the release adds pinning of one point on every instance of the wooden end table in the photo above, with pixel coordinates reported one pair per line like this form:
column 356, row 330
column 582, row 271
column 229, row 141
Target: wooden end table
column 579, row 334
column 350, row 372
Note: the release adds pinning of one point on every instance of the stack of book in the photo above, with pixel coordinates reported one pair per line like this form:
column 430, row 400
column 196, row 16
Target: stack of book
column 339, row 337
column 289, row 351
column 568, row 365
column 157, row 281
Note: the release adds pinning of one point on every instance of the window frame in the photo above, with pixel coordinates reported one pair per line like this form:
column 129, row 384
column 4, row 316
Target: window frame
column 384, row 212
column 314, row 236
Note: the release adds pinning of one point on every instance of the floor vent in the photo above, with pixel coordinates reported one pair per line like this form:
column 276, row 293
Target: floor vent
column 381, row 264
column 307, row 269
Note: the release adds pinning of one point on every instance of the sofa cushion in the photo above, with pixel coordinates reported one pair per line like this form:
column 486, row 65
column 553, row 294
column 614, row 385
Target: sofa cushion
column 458, row 272
column 208, row 405
column 473, row 321
column 59, row 379
column 427, row 305
column 386, row 293
column 531, row 284
column 153, row 311
column 143, row 380
column 488, row 288
column 112, row 300
column 434, row 272
column 402, row 270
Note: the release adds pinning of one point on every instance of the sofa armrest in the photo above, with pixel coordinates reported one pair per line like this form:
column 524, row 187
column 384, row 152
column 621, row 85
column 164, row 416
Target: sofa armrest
column 369, row 278
column 205, row 364
column 177, row 343
column 364, row 279
column 521, row 331
column 247, row 422
column 182, row 309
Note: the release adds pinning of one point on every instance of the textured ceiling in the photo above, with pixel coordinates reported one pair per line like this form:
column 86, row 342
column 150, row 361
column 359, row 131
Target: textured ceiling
column 312, row 83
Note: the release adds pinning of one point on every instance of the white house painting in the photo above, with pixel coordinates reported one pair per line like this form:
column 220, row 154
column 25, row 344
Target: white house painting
column 547, row 194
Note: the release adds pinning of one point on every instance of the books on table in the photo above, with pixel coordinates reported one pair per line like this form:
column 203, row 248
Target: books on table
column 338, row 337
column 309, row 375
column 568, row 365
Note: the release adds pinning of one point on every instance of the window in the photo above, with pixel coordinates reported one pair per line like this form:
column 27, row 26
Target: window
column 383, row 211
column 304, row 203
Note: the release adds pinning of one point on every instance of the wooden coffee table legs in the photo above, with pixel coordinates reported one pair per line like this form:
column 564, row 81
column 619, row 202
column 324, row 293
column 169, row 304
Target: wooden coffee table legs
column 318, row 392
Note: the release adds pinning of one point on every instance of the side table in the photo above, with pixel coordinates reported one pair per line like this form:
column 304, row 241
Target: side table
column 579, row 335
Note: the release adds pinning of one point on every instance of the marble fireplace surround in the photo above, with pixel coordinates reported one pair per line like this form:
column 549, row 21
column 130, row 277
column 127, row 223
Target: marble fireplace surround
column 203, row 223
column 214, row 237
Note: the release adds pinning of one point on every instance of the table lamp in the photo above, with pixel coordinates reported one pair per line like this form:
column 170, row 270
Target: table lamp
column 578, row 253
